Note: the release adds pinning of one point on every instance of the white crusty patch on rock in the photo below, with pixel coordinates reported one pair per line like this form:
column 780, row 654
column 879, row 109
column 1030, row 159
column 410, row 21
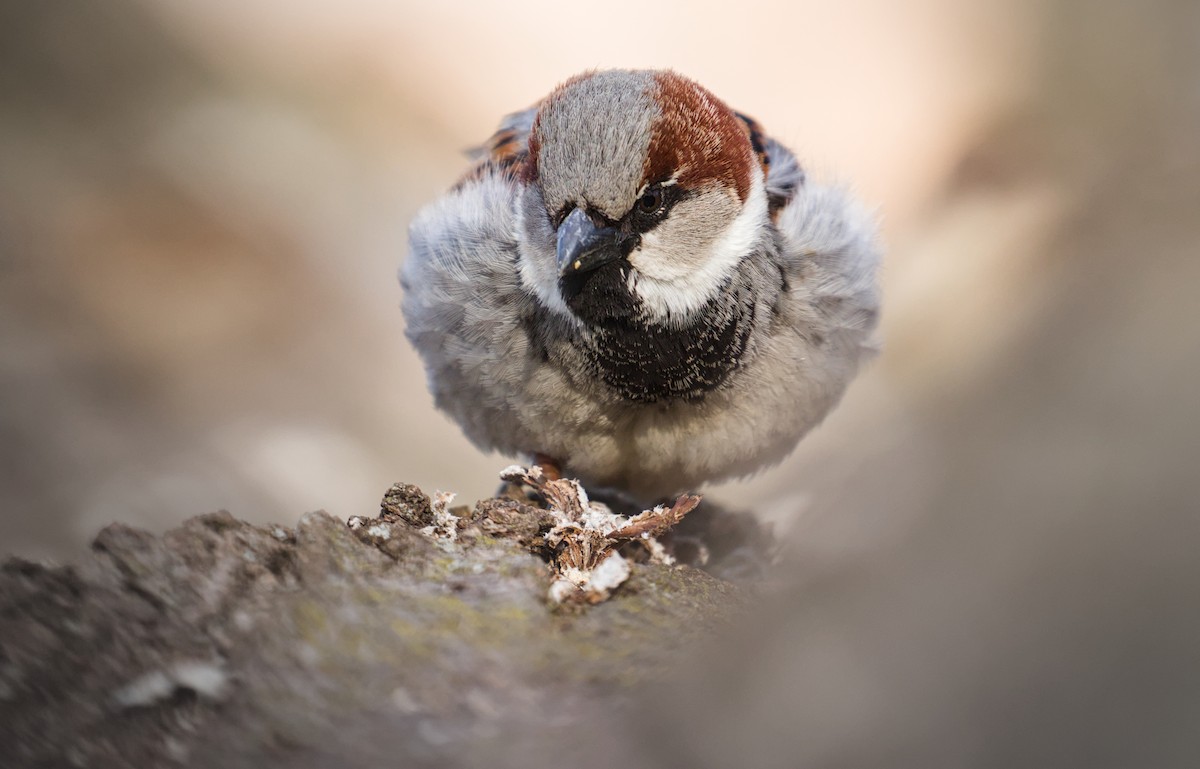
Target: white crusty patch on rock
column 204, row 677
column 445, row 523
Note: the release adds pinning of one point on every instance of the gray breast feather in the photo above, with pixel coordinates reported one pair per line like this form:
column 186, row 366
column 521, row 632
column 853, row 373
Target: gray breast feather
column 463, row 304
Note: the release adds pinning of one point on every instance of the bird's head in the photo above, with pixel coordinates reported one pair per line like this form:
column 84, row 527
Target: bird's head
column 642, row 193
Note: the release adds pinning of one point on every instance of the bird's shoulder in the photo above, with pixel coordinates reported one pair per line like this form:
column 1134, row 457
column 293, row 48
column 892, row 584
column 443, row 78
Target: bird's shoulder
column 781, row 171
column 505, row 151
column 460, row 278
column 828, row 260
column 826, row 245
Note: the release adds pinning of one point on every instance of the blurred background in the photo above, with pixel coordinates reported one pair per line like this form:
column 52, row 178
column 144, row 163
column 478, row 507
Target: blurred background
column 203, row 206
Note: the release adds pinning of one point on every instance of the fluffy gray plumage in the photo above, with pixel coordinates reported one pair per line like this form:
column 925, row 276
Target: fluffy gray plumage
column 733, row 328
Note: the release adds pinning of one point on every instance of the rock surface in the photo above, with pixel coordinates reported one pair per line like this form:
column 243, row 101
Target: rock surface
column 226, row 644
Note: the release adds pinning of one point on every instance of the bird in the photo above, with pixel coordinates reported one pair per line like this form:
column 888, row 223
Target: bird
column 638, row 288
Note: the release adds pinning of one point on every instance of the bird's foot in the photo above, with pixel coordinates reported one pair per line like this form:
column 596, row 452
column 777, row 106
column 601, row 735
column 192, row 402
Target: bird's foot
column 551, row 467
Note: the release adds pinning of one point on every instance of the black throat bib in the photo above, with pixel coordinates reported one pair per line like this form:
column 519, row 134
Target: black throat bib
column 649, row 362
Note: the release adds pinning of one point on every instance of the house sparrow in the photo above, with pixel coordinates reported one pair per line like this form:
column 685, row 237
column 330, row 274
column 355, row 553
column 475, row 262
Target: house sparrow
column 637, row 284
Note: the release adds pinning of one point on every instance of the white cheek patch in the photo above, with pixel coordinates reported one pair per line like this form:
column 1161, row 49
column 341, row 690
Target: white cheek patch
column 672, row 287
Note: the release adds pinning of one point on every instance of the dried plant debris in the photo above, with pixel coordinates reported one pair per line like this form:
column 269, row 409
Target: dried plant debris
column 404, row 501
column 587, row 545
column 445, row 523
column 584, row 535
column 513, row 519
column 651, row 523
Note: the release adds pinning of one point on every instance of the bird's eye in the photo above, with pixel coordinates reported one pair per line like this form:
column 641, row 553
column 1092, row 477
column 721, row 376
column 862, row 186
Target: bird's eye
column 650, row 202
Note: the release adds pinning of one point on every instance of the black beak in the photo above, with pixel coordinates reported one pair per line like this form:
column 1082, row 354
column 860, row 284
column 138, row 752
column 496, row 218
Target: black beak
column 582, row 246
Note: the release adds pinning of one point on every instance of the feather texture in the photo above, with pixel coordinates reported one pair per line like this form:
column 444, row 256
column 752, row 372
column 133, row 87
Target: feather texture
column 652, row 401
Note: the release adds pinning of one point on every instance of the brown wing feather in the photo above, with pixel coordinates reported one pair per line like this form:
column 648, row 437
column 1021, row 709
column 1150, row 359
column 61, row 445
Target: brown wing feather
column 780, row 168
column 505, row 152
